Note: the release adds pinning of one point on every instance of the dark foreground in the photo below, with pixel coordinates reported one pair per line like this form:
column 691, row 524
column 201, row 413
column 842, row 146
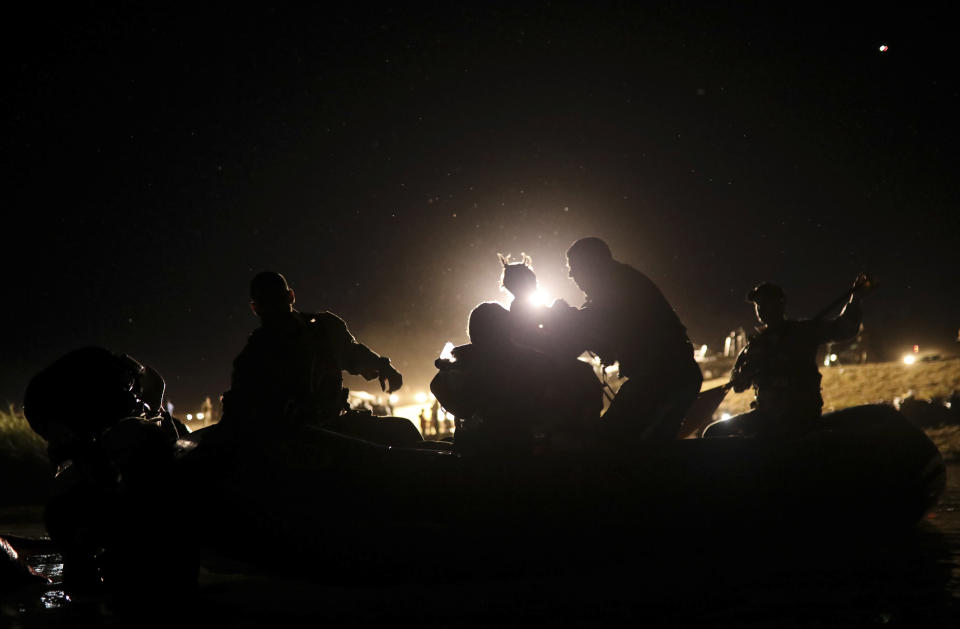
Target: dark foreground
column 910, row 580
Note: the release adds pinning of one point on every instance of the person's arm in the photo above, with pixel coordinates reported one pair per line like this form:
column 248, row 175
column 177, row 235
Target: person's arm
column 847, row 324
column 741, row 377
column 358, row 359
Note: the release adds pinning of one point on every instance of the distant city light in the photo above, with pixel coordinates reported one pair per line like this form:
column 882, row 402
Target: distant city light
column 199, row 415
column 909, row 359
column 421, row 397
column 394, row 398
column 884, row 48
column 189, row 416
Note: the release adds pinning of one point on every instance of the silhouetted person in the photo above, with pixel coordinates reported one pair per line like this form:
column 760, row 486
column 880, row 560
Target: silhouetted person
column 117, row 504
column 626, row 318
column 533, row 324
column 289, row 374
column 780, row 361
column 508, row 397
column 520, row 281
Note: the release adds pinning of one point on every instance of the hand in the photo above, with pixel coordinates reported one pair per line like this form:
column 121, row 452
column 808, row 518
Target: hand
column 390, row 376
column 862, row 285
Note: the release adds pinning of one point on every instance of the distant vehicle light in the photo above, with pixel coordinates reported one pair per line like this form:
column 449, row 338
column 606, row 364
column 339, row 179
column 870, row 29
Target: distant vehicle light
column 199, row 415
column 833, row 358
column 189, row 416
column 909, row 359
column 884, row 48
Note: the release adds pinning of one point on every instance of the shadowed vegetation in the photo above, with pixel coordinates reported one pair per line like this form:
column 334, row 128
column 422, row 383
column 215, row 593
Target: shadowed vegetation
column 24, row 465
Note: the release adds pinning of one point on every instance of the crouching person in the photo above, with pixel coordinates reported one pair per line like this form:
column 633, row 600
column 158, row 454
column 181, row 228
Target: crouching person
column 510, row 399
column 117, row 510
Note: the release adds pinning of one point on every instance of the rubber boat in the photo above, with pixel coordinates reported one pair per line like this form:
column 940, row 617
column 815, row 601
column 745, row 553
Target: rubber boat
column 360, row 508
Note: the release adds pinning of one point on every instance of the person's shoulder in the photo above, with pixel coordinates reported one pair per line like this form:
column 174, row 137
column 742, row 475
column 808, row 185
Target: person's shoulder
column 324, row 318
column 464, row 352
column 803, row 324
column 637, row 279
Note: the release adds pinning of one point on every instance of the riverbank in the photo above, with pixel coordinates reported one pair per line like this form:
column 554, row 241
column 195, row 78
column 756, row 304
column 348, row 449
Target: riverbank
column 24, row 466
column 877, row 383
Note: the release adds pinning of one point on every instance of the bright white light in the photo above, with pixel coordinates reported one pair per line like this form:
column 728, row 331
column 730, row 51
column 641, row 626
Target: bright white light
column 420, row 397
column 394, row 398
column 909, row 359
column 725, row 416
column 884, row 48
column 189, row 416
column 199, row 415
column 447, row 353
column 833, row 358
column 539, row 298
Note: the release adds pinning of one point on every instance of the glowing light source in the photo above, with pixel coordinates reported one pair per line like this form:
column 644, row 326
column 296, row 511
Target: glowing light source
column 199, row 415
column 884, row 48
column 447, row 353
column 189, row 416
column 909, row 359
column 539, row 297
column 833, row 358
column 420, row 397
column 725, row 417
column 394, row 398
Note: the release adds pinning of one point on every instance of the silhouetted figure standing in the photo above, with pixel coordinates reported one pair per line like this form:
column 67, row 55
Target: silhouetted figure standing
column 780, row 361
column 626, row 318
column 520, row 281
column 290, row 372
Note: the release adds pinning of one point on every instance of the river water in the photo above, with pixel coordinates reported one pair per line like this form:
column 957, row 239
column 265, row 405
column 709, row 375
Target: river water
column 909, row 581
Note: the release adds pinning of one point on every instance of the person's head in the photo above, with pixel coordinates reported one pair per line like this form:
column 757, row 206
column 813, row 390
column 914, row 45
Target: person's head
column 270, row 295
column 489, row 324
column 589, row 262
column 518, row 277
column 770, row 303
column 82, row 394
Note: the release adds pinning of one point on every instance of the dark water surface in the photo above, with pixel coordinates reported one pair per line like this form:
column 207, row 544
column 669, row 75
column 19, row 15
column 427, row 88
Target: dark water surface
column 908, row 581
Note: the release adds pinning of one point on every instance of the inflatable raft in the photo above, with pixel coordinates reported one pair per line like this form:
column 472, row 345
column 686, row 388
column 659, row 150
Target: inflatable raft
column 360, row 508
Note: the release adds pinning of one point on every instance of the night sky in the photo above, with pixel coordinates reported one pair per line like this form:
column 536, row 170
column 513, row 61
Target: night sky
column 155, row 159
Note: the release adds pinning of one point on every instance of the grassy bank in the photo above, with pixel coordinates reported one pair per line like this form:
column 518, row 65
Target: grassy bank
column 873, row 383
column 24, row 466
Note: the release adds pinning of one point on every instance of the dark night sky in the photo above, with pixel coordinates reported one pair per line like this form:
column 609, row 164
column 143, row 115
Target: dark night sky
column 155, row 159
